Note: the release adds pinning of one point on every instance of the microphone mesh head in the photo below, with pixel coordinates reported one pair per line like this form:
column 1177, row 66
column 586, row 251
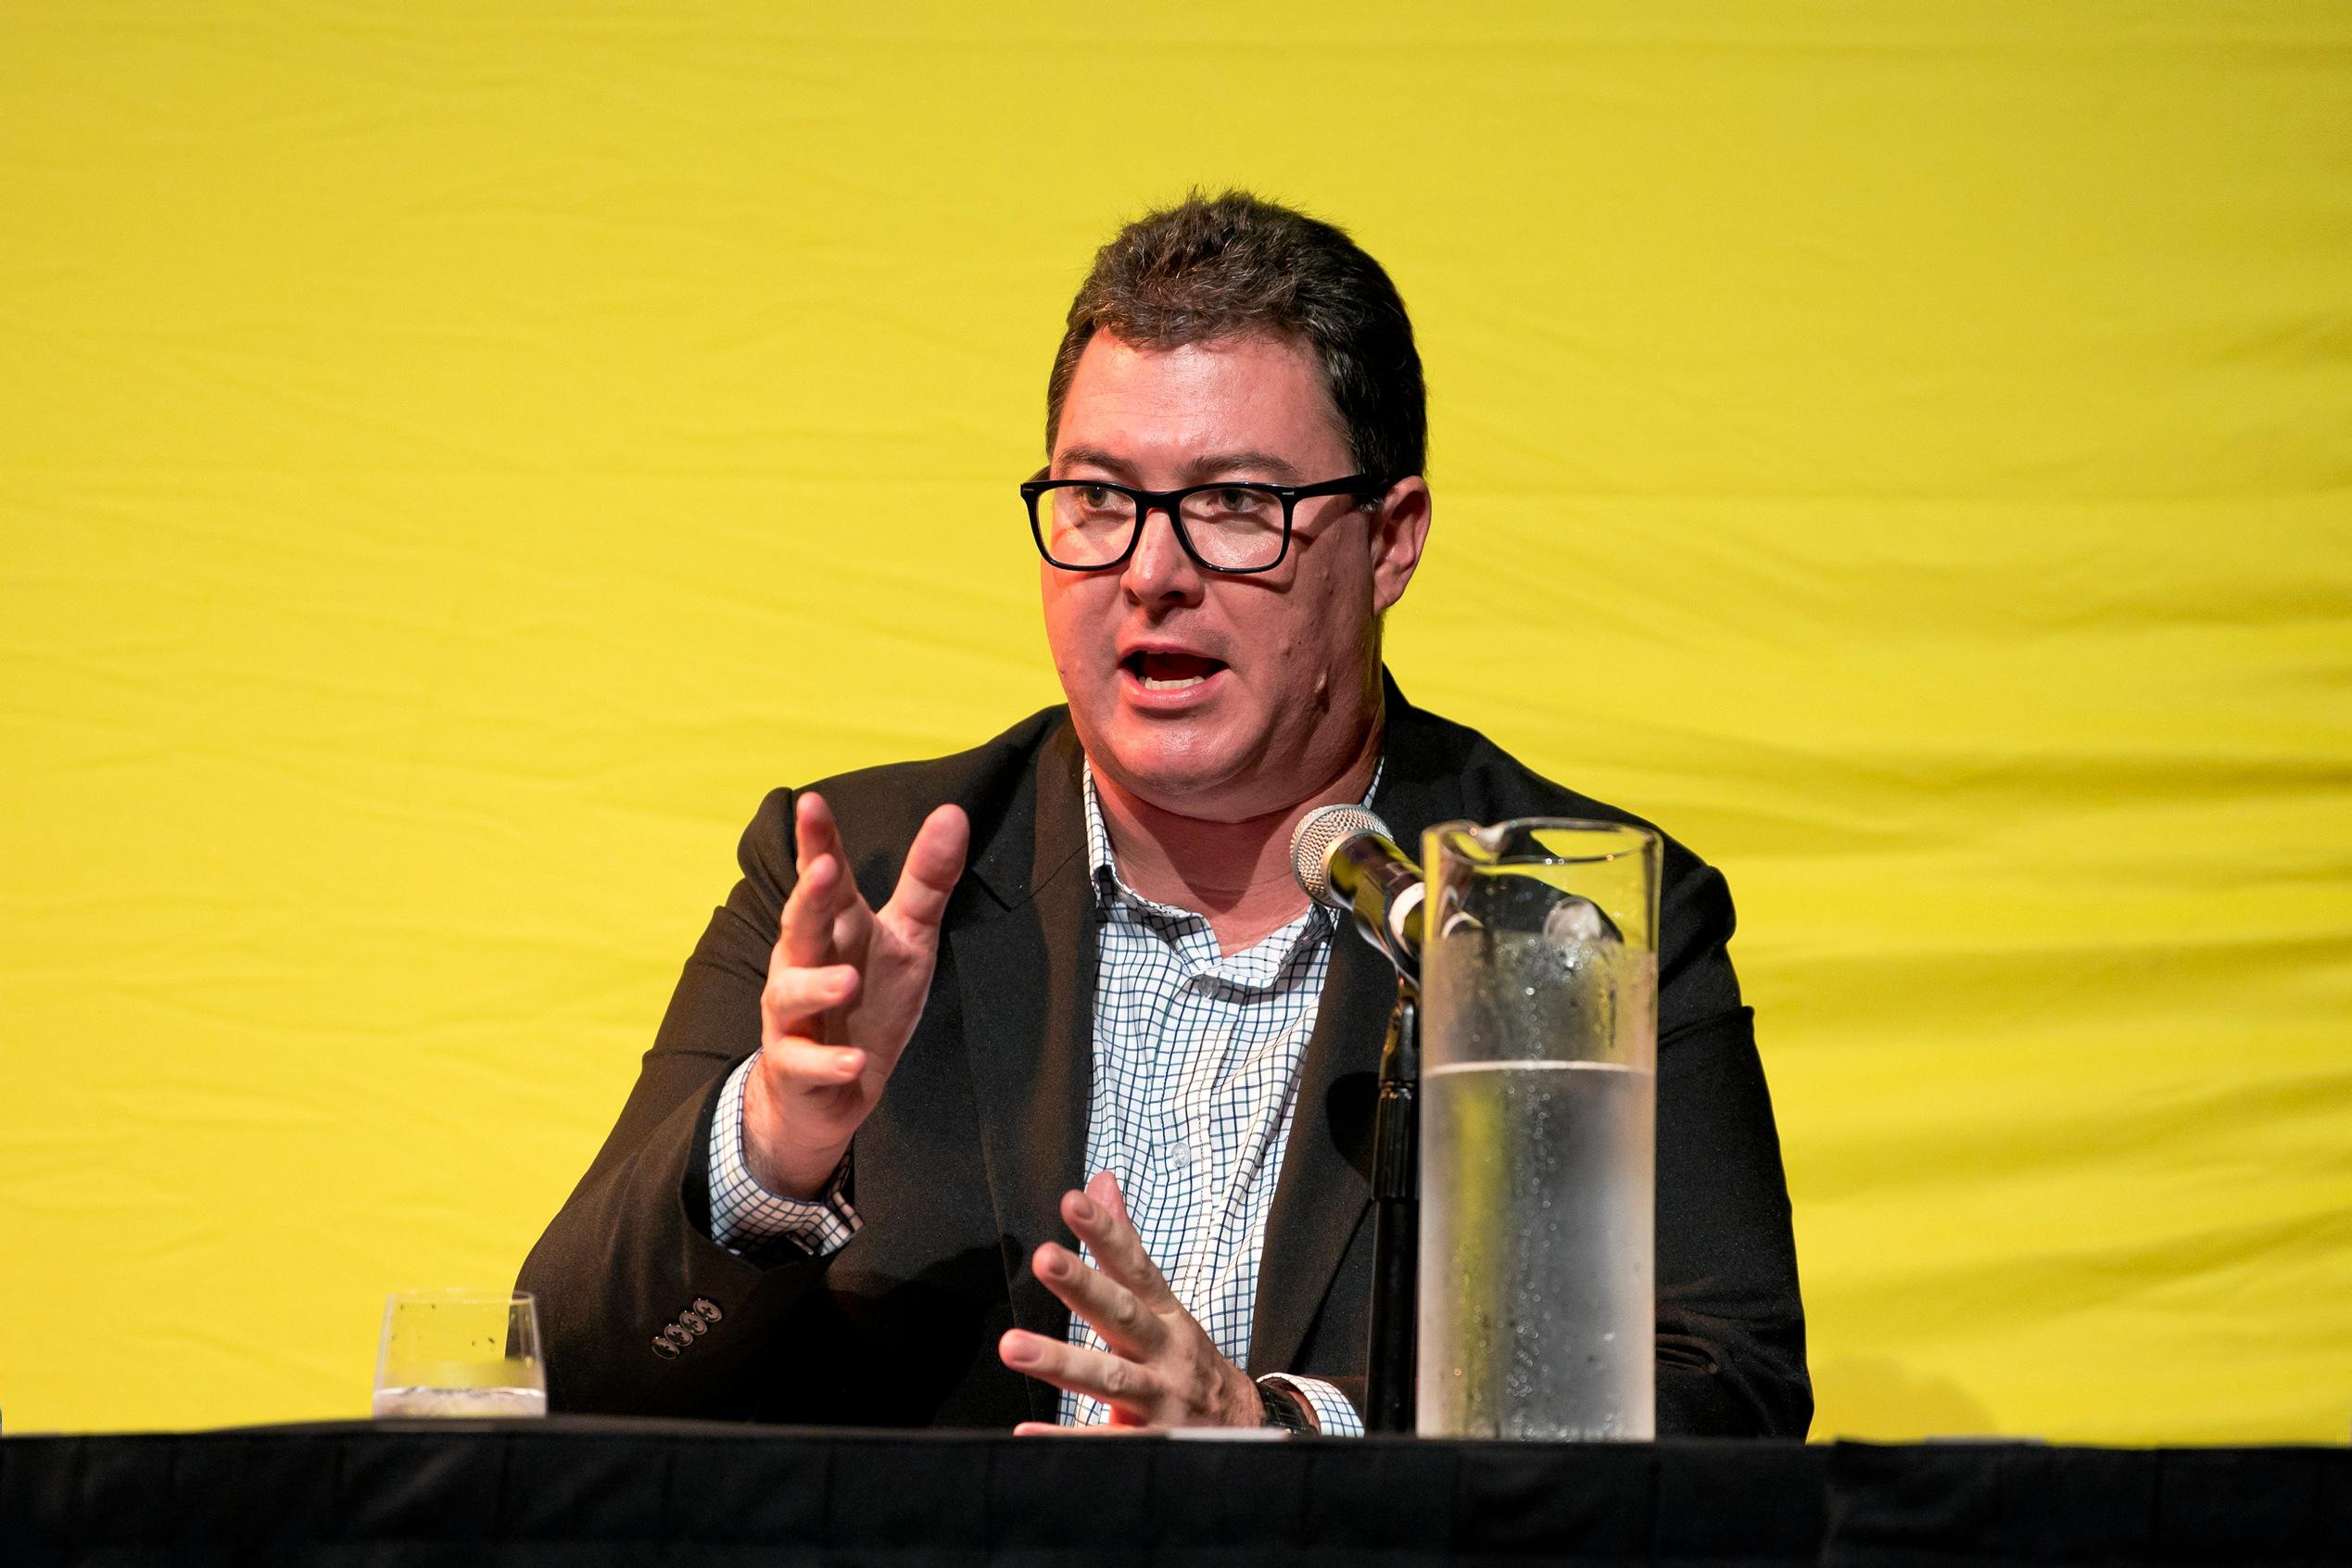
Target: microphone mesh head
column 1317, row 833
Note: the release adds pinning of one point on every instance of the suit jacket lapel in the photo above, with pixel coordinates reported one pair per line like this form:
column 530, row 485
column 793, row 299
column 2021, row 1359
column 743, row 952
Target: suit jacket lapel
column 1026, row 979
column 1326, row 1178
column 1325, row 1185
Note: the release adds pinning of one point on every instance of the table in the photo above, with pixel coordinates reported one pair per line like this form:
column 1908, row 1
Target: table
column 612, row 1492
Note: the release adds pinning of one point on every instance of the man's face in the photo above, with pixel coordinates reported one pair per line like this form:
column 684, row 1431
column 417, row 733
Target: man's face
column 1210, row 695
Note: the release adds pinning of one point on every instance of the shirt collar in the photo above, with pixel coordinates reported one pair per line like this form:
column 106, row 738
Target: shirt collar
column 1109, row 887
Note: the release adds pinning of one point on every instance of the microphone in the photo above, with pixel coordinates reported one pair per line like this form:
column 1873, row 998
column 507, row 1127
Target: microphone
column 1345, row 859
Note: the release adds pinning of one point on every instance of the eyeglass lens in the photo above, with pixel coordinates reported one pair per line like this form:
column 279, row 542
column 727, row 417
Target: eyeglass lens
column 1236, row 527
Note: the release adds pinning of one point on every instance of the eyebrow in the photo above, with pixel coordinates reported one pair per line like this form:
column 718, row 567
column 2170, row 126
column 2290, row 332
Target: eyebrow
column 1245, row 464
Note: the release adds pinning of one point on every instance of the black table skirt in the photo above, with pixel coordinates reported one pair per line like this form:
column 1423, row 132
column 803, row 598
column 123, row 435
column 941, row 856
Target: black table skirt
column 595, row 1492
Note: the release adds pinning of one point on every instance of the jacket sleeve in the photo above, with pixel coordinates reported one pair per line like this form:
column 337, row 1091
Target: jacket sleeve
column 640, row 1312
column 1731, row 1333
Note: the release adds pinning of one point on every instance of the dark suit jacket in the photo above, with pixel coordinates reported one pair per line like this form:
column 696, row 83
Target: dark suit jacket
column 958, row 1171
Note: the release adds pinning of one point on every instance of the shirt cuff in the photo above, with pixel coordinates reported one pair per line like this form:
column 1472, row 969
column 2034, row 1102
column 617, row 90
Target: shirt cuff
column 1334, row 1417
column 747, row 1218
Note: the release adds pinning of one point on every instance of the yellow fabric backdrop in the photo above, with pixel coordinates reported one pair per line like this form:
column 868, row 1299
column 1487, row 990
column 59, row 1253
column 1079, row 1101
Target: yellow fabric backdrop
column 454, row 457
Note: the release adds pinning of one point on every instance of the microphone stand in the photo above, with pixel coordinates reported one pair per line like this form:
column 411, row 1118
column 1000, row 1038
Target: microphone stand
column 1388, row 1394
column 1345, row 859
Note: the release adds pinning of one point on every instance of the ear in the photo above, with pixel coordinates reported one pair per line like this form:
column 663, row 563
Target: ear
column 1400, row 528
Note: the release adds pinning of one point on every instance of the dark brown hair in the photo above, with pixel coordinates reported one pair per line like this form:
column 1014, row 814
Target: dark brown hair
column 1211, row 267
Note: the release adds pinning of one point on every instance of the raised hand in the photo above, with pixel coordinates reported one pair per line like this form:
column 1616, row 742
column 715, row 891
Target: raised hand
column 1160, row 1368
column 845, row 987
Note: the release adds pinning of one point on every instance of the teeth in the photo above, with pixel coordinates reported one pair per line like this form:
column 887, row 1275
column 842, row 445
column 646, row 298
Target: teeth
column 1151, row 685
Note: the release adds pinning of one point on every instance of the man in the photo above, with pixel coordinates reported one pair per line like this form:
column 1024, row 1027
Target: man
column 1065, row 985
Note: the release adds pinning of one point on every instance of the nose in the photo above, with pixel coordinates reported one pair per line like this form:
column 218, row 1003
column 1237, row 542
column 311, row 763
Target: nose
column 1160, row 571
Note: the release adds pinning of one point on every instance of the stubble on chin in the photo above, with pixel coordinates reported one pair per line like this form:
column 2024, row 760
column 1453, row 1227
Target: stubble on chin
column 1184, row 776
column 1162, row 771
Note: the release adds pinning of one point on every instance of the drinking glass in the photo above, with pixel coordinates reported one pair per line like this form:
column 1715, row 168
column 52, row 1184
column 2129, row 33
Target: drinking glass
column 459, row 1353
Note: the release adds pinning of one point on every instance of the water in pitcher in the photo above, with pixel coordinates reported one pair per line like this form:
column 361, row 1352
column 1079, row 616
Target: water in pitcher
column 1538, row 1145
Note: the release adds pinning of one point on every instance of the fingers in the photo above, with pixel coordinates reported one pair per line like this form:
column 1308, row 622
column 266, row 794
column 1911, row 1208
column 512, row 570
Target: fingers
column 815, row 833
column 933, row 863
column 1098, row 1218
column 795, row 1001
column 1126, row 1325
column 1103, row 1187
column 1158, row 1364
column 1127, row 1388
column 1109, row 1429
column 805, row 1064
column 805, row 931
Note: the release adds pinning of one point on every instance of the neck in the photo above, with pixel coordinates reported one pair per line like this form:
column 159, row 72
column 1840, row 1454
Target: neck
column 1236, row 874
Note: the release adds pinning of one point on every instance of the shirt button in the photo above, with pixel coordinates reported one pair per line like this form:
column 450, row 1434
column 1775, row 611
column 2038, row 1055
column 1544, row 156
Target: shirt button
column 1178, row 1156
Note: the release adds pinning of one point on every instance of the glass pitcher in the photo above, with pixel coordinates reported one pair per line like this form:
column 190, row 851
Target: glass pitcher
column 1538, row 1144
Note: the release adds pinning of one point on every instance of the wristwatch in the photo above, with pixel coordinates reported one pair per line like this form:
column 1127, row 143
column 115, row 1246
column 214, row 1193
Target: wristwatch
column 1286, row 1410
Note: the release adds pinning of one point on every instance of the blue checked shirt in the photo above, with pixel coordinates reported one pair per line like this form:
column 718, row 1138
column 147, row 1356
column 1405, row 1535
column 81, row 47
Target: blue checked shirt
column 1197, row 1063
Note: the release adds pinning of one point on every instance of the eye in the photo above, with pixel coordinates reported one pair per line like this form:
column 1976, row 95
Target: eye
column 1240, row 504
column 1095, row 498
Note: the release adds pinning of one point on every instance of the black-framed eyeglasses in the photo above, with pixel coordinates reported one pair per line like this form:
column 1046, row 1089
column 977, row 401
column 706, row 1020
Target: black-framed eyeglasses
column 1232, row 526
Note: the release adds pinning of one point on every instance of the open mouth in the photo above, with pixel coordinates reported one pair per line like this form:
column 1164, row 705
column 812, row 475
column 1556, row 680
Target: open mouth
column 1170, row 671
